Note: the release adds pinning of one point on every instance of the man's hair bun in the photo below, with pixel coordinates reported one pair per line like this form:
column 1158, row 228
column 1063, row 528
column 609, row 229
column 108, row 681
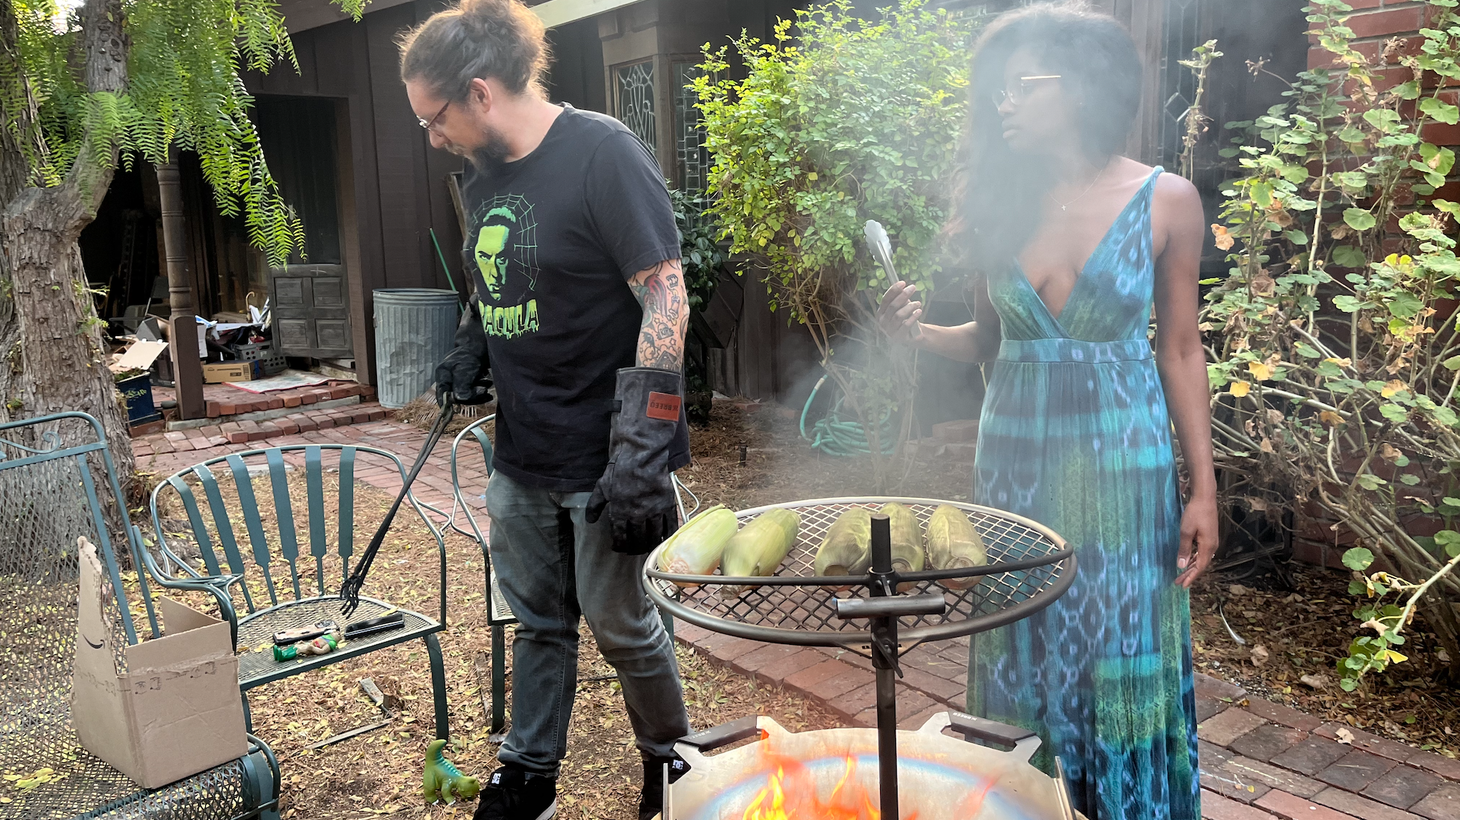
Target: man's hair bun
column 499, row 39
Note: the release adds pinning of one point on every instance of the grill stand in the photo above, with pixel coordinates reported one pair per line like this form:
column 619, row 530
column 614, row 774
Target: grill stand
column 1025, row 547
column 882, row 611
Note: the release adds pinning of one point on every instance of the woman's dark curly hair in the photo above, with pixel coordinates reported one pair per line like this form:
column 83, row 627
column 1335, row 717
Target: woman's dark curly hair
column 1000, row 192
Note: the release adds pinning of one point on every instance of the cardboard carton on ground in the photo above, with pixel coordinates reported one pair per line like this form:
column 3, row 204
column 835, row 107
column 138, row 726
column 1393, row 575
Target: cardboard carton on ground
column 139, row 356
column 175, row 709
column 231, row 372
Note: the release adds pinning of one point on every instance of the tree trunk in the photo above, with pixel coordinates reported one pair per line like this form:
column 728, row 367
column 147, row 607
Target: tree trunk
column 52, row 358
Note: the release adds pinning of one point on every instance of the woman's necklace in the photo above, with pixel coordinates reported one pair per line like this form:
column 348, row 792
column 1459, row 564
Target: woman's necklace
column 1065, row 206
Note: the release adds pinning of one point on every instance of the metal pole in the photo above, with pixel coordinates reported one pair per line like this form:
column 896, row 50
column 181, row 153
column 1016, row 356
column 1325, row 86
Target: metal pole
column 884, row 660
column 187, row 368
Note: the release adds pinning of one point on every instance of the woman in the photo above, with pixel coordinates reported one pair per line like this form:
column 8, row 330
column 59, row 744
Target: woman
column 1072, row 245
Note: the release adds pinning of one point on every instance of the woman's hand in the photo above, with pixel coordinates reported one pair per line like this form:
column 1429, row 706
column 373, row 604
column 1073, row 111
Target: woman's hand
column 898, row 314
column 1198, row 540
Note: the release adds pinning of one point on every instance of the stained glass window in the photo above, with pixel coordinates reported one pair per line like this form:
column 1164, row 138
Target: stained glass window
column 691, row 159
column 1178, row 84
column 636, row 100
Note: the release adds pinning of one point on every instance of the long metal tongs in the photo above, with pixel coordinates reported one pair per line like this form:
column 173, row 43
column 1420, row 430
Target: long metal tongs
column 350, row 590
column 881, row 248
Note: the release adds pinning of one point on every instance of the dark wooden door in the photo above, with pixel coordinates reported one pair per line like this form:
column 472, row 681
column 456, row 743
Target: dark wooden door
column 311, row 311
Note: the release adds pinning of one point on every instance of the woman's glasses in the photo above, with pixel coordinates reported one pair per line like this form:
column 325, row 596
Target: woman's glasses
column 1019, row 95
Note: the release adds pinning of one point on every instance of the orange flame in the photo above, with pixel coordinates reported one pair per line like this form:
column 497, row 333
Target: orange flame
column 790, row 794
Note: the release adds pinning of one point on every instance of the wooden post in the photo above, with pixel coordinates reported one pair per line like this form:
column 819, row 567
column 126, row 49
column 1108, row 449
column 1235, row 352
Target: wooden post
column 187, row 367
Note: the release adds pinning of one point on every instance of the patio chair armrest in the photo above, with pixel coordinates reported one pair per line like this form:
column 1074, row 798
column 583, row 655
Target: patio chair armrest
column 166, row 551
column 421, row 508
column 272, row 777
column 215, row 585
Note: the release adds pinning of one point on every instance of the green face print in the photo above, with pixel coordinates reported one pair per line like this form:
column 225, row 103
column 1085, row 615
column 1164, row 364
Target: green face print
column 491, row 242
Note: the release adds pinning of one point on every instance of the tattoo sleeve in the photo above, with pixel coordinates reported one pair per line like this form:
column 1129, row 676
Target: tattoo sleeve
column 660, row 289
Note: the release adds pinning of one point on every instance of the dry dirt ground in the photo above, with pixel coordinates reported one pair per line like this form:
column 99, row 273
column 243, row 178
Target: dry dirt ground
column 379, row 773
column 1303, row 631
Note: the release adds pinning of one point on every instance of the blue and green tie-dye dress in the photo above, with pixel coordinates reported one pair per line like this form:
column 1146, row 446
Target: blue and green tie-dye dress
column 1075, row 434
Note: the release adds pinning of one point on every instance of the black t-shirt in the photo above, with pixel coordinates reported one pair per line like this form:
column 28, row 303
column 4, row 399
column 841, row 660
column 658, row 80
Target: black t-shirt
column 552, row 240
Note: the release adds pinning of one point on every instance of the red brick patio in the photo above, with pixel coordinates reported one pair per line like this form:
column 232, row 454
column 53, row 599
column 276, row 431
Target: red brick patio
column 1259, row 760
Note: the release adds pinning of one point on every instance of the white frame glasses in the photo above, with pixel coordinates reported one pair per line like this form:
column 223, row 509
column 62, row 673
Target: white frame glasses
column 1017, row 97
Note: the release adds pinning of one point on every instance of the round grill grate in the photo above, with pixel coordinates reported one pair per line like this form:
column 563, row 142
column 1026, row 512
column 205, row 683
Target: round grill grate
column 1029, row 567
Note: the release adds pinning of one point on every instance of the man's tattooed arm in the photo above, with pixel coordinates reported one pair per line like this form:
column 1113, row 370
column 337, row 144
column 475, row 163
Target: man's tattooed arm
column 660, row 289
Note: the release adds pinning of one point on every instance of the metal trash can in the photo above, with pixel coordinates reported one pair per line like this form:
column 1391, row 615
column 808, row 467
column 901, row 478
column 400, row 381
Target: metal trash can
column 414, row 328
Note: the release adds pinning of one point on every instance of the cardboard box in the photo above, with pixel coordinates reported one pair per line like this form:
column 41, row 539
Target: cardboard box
column 175, row 710
column 231, row 372
column 139, row 356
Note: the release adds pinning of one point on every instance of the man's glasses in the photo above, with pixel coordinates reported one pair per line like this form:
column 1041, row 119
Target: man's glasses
column 1018, row 96
column 430, row 125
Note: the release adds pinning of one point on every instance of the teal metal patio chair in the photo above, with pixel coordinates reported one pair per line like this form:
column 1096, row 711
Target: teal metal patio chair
column 499, row 614
column 50, row 496
column 282, row 565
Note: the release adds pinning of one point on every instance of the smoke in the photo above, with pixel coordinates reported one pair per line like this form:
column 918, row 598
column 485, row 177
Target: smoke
column 1247, row 32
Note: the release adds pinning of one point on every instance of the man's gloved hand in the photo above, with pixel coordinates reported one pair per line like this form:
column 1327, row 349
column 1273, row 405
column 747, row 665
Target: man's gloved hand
column 463, row 373
column 636, row 490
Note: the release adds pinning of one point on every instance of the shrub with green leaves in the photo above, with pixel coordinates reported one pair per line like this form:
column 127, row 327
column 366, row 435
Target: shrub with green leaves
column 1335, row 348
column 839, row 120
column 703, row 258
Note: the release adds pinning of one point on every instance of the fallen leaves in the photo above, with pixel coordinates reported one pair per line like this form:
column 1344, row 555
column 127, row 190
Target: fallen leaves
column 1223, row 237
column 1314, row 681
column 39, row 777
column 1259, row 655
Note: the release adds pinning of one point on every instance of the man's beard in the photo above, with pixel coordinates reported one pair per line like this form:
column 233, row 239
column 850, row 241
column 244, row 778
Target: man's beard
column 493, row 152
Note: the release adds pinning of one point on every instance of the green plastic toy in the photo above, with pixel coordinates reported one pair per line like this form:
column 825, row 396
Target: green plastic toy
column 442, row 781
column 323, row 645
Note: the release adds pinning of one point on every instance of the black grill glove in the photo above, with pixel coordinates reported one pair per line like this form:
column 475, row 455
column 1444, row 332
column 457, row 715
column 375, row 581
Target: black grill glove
column 463, row 373
column 636, row 490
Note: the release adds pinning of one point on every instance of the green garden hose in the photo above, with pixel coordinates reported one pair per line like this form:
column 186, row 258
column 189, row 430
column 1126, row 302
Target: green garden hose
column 835, row 437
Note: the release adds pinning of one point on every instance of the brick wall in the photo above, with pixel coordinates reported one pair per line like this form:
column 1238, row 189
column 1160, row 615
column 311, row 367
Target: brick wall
column 1375, row 23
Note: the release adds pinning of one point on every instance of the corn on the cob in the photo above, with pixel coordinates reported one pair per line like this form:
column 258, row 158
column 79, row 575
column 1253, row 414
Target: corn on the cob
column 759, row 547
column 697, row 547
column 907, row 541
column 953, row 542
column 847, row 547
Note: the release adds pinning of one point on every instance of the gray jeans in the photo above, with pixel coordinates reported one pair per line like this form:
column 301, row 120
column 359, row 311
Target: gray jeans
column 554, row 567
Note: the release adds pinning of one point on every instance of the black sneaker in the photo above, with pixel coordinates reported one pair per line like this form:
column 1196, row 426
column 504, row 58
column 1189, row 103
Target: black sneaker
column 651, row 801
column 512, row 794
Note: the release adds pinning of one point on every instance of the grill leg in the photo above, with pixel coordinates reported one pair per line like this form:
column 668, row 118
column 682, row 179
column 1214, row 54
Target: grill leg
column 499, row 681
column 438, row 685
column 884, row 660
column 887, row 742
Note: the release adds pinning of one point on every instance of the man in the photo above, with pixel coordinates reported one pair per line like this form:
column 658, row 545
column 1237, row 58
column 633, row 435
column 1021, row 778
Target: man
column 580, row 308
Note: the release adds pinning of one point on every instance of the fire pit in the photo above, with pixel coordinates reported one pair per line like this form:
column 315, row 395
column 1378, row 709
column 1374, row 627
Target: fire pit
column 826, row 774
column 833, row 774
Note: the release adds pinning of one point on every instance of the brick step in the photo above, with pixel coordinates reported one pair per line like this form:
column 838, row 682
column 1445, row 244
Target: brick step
column 243, row 432
column 951, row 432
column 237, row 406
column 932, row 449
column 951, row 442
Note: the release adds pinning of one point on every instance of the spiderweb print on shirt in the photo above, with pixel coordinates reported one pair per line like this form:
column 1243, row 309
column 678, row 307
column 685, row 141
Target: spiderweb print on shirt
column 515, row 213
